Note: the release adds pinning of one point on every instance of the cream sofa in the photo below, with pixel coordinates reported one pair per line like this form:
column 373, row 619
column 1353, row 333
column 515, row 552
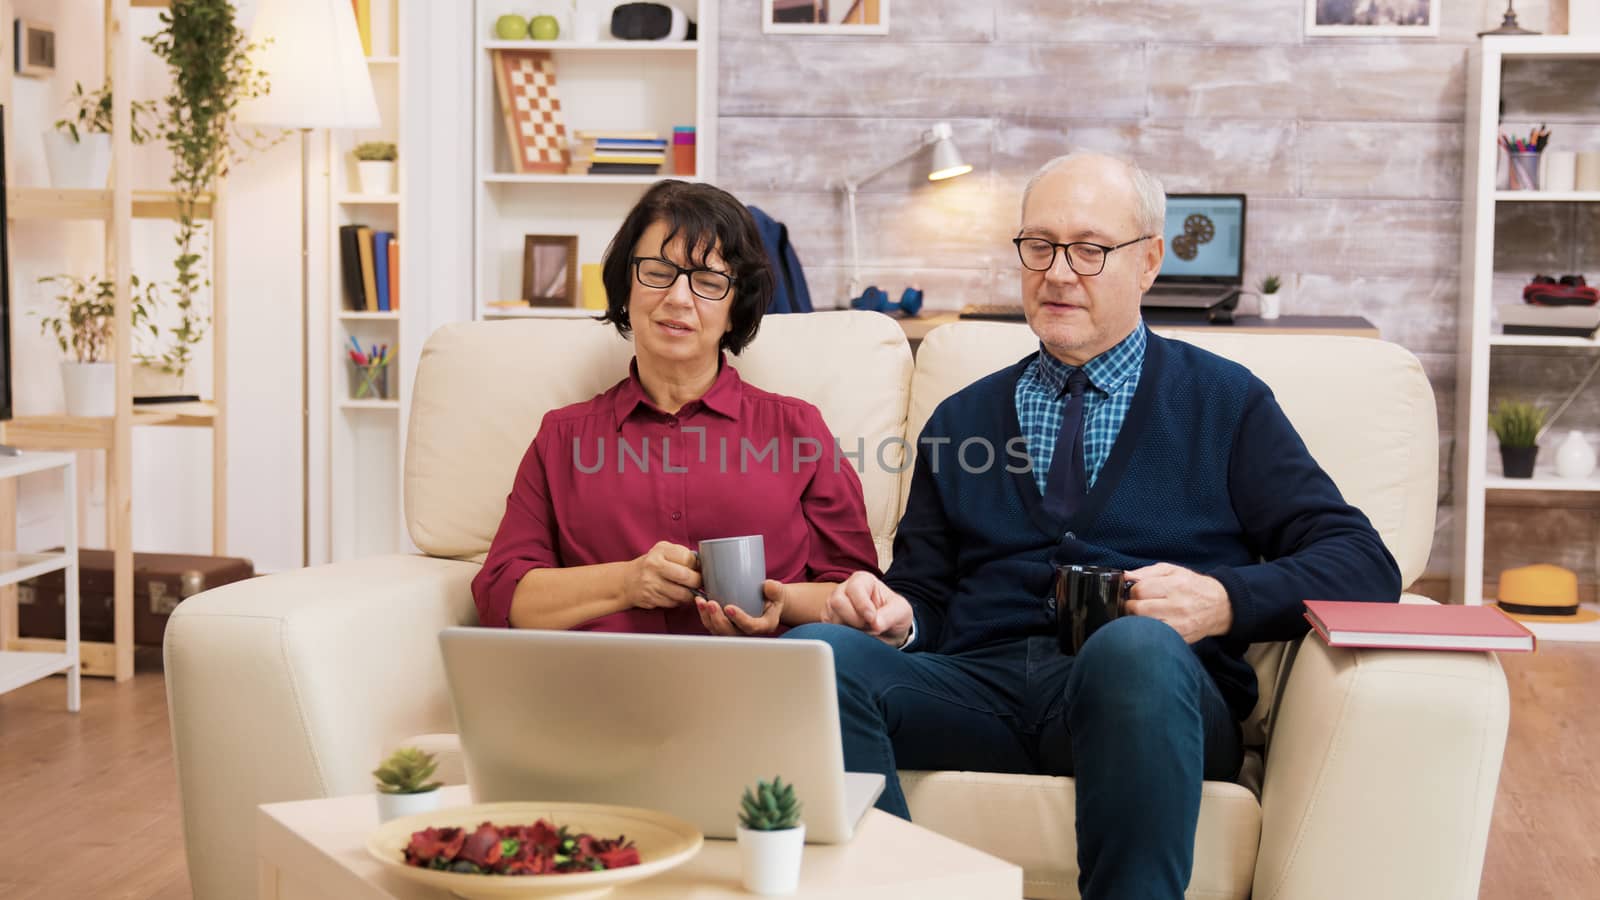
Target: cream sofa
column 1379, row 768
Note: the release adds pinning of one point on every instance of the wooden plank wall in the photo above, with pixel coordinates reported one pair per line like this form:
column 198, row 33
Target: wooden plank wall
column 1350, row 150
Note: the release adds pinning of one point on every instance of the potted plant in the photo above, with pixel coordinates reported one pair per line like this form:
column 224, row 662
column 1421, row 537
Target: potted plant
column 403, row 785
column 78, row 149
column 375, row 163
column 83, row 324
column 209, row 58
column 1517, row 426
column 1271, row 301
column 771, row 838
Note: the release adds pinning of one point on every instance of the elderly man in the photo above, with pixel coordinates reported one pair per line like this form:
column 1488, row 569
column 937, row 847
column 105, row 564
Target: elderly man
column 1147, row 455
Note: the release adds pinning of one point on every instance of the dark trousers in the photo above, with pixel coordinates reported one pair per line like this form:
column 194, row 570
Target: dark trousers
column 1134, row 718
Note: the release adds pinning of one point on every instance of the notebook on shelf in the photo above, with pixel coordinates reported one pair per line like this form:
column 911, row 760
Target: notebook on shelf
column 1408, row 626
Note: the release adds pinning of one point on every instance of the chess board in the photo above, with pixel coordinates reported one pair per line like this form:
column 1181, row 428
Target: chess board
column 536, row 136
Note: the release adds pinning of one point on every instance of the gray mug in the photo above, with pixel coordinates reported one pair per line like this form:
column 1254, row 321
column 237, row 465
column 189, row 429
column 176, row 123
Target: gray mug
column 733, row 569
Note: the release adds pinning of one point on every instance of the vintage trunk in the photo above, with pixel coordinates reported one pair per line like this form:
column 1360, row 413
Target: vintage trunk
column 160, row 582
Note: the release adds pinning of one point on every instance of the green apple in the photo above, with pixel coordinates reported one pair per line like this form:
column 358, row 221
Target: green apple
column 511, row 27
column 544, row 28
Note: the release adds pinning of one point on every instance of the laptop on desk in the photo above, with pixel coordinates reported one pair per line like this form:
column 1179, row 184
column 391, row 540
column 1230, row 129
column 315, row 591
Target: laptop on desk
column 676, row 723
column 1201, row 275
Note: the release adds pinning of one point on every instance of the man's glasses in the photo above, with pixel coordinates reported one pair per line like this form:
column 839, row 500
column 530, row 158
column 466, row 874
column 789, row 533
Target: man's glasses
column 1083, row 257
column 658, row 273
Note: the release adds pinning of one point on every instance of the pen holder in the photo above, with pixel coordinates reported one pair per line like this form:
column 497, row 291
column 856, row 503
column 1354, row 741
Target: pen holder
column 1524, row 170
column 369, row 381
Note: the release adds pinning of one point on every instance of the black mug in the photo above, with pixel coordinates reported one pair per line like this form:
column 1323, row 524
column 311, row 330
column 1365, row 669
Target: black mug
column 1087, row 597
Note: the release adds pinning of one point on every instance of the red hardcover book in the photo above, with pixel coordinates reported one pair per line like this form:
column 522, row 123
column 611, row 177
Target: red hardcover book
column 1418, row 626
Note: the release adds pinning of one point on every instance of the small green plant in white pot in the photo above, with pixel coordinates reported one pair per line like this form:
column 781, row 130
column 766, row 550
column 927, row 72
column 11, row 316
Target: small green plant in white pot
column 78, row 149
column 1271, row 298
column 83, row 323
column 375, row 164
column 403, row 785
column 771, row 838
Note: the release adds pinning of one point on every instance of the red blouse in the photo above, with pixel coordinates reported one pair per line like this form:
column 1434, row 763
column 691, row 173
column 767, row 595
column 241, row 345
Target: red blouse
column 606, row 479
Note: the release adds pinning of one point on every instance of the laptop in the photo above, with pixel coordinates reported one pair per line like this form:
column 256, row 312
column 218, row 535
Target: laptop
column 1204, row 265
column 681, row 724
column 1201, row 275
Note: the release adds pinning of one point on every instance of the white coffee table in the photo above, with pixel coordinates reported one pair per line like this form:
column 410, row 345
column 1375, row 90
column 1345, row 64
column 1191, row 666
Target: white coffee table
column 317, row 849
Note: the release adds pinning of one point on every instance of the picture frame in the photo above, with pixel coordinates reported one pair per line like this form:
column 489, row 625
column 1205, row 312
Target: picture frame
column 1372, row 18
column 836, row 17
column 550, row 270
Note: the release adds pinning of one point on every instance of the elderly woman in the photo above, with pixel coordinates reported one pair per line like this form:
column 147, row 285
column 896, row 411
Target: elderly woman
column 614, row 492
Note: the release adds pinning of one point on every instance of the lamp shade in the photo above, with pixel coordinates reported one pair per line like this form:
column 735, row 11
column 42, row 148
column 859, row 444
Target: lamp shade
column 947, row 162
column 311, row 54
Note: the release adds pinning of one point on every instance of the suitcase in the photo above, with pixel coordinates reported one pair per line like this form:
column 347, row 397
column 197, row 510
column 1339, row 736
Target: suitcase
column 160, row 582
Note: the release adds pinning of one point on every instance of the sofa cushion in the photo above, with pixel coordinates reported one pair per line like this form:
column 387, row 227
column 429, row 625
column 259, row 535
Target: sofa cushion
column 1029, row 820
column 483, row 387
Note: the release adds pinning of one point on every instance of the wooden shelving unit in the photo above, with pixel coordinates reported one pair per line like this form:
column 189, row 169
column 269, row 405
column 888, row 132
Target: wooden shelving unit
column 117, row 207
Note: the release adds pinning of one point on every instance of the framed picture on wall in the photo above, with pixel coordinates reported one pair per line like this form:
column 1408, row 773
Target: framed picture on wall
column 1372, row 18
column 825, row 16
column 550, row 270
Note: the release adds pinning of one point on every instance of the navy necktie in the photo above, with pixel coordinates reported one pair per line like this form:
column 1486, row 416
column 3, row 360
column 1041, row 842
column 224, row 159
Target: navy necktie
column 1066, row 484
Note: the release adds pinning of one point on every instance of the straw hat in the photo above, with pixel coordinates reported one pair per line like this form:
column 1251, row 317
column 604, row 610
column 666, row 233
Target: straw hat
column 1543, row 593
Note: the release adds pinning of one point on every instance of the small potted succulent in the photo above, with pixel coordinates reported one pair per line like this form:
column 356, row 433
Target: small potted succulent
column 1517, row 425
column 375, row 164
column 771, row 838
column 1271, row 300
column 78, row 148
column 403, row 785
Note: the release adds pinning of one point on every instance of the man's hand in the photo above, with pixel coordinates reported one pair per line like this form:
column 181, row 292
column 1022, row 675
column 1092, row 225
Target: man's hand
column 1195, row 605
column 731, row 621
column 865, row 603
column 666, row 576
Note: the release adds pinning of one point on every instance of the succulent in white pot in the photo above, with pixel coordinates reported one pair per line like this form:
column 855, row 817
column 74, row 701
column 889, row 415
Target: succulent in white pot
column 403, row 785
column 375, row 164
column 78, row 149
column 771, row 838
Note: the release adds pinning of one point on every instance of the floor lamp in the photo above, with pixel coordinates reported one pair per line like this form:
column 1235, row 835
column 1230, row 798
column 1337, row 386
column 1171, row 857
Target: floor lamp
column 312, row 57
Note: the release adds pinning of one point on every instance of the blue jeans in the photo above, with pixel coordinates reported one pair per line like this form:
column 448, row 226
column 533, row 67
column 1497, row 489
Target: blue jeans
column 1134, row 718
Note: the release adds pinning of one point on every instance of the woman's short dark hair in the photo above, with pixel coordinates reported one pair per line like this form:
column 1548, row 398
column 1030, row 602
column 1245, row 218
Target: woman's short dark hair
column 707, row 218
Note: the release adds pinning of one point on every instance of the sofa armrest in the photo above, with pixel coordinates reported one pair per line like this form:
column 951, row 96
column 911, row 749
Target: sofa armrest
column 1381, row 774
column 292, row 686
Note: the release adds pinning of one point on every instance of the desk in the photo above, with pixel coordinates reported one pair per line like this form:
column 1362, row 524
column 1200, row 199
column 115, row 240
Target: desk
column 917, row 327
column 317, row 849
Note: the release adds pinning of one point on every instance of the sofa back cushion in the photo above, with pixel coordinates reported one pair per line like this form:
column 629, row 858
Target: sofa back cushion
column 483, row 387
column 1364, row 407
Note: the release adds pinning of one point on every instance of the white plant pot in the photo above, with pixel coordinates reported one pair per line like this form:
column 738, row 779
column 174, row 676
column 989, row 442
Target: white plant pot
column 377, row 177
column 1271, row 305
column 91, row 388
column 770, row 860
column 398, row 806
column 78, row 164
column 1575, row 458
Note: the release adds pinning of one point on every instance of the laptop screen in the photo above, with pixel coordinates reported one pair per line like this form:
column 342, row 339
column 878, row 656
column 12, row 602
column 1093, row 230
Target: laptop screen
column 1205, row 239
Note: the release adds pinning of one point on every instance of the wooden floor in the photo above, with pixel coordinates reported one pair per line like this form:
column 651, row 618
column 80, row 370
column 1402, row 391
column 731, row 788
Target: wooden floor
column 89, row 803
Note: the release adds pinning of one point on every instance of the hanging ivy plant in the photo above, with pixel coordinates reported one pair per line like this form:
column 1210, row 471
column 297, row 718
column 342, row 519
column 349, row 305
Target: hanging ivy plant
column 211, row 72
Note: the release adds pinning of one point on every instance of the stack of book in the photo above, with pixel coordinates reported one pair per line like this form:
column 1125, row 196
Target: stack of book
column 618, row 153
column 369, row 259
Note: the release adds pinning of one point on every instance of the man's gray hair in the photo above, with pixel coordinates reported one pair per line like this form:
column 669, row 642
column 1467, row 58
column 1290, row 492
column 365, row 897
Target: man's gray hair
column 1152, row 196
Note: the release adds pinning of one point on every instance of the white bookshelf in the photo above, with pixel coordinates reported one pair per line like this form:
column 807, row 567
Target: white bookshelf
column 1477, row 463
column 25, row 666
column 366, row 436
column 604, row 84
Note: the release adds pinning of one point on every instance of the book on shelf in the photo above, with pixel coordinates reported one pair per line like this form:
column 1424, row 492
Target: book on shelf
column 637, row 159
column 623, row 169
column 350, row 267
column 380, row 267
column 1416, row 626
column 394, row 272
column 363, row 11
column 592, row 134
column 369, row 278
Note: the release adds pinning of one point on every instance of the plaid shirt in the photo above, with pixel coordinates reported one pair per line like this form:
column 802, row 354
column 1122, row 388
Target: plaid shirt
column 1041, row 399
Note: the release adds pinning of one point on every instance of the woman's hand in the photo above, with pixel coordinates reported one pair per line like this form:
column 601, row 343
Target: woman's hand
column 731, row 621
column 665, row 577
